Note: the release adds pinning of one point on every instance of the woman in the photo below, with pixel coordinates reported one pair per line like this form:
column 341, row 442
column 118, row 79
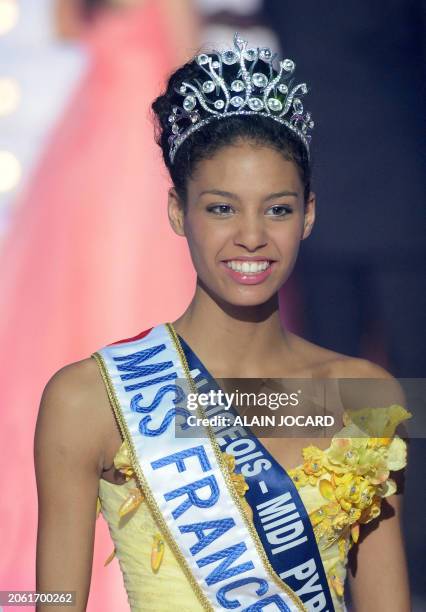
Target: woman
column 195, row 527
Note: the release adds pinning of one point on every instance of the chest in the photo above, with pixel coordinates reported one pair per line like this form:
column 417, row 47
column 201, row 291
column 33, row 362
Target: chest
column 288, row 452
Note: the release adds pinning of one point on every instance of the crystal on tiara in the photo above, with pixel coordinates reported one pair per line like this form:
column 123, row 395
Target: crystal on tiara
column 203, row 59
column 275, row 104
column 237, row 85
column 189, row 103
column 259, row 79
column 264, row 87
column 250, row 54
column 265, row 54
column 297, row 106
column 229, row 57
column 255, row 104
column 288, row 65
column 208, row 86
column 237, row 101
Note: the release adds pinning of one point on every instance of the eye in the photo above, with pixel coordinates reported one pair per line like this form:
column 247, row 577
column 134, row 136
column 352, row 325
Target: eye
column 279, row 210
column 221, row 210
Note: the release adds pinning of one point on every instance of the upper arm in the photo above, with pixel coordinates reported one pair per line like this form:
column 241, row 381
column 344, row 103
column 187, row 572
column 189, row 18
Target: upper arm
column 378, row 571
column 68, row 460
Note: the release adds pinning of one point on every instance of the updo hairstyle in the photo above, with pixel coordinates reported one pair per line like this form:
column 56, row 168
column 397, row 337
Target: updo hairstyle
column 207, row 141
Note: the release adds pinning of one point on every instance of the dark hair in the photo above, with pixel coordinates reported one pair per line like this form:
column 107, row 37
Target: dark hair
column 205, row 142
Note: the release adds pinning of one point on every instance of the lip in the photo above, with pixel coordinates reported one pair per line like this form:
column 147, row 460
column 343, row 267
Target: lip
column 243, row 278
column 249, row 259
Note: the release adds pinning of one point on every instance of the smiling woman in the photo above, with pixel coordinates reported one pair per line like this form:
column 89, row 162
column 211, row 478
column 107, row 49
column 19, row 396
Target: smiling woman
column 244, row 235
column 217, row 522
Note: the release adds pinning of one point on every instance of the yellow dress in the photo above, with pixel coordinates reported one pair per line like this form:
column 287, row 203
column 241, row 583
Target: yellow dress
column 341, row 487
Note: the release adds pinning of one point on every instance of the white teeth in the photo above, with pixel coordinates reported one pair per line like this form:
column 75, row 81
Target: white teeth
column 252, row 267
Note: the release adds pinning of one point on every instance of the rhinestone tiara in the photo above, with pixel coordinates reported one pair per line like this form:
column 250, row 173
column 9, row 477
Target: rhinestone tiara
column 255, row 85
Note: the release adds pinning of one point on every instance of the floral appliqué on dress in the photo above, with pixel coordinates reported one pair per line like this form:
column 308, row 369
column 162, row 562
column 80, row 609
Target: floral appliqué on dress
column 122, row 463
column 352, row 476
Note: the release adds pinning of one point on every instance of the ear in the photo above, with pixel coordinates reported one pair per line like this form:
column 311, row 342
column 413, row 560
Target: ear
column 309, row 215
column 176, row 212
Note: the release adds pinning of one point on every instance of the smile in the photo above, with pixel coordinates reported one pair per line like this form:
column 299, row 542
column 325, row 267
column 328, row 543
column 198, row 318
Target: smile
column 253, row 267
column 248, row 272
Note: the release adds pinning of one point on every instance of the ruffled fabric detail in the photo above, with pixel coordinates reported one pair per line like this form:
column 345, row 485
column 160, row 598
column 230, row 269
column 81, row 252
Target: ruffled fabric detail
column 122, row 463
column 342, row 487
column 352, row 476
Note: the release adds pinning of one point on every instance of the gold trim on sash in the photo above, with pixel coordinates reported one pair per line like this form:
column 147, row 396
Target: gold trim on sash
column 144, row 485
column 219, row 457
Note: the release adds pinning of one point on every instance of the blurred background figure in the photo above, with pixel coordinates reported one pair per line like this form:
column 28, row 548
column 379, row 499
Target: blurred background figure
column 32, row 92
column 222, row 18
column 76, row 274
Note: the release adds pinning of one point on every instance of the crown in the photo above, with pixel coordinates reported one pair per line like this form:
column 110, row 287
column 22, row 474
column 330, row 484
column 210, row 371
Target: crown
column 255, row 85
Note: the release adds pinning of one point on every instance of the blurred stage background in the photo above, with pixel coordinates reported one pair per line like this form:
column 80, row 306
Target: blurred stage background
column 83, row 206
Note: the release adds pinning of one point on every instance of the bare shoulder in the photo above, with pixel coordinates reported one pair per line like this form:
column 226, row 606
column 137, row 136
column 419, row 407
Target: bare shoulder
column 74, row 416
column 355, row 367
column 75, row 382
column 331, row 364
column 76, row 392
column 363, row 383
column 326, row 363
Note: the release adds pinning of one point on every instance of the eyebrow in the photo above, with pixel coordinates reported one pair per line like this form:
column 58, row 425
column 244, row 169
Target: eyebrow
column 228, row 194
column 281, row 194
column 224, row 194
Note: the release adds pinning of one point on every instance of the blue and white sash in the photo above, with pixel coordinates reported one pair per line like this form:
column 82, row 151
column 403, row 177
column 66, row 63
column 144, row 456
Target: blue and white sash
column 279, row 514
column 189, row 491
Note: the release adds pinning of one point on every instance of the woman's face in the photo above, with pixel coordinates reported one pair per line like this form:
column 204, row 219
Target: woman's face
column 244, row 220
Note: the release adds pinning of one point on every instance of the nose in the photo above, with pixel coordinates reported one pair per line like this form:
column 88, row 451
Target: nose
column 250, row 233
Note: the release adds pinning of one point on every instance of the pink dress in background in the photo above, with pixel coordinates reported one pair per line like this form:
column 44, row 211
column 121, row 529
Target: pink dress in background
column 89, row 258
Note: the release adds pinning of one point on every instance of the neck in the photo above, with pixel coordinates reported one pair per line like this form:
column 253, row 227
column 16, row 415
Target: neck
column 234, row 340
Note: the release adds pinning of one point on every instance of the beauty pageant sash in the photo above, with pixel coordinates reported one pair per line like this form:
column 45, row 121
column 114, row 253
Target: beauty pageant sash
column 279, row 514
column 188, row 487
